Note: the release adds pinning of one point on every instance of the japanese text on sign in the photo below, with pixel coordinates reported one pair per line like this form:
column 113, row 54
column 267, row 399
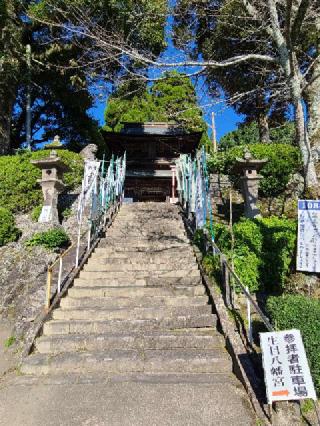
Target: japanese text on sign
column 286, row 369
column 308, row 252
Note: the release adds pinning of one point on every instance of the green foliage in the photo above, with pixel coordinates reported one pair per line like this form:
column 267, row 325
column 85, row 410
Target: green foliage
column 171, row 99
column 19, row 190
column 283, row 161
column 303, row 313
column 36, row 211
column 249, row 134
column 10, row 341
column 66, row 213
column 263, row 251
column 279, row 243
column 52, row 239
column 8, row 230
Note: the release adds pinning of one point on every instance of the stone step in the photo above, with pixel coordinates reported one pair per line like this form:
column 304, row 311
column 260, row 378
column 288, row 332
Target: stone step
column 154, row 250
column 192, row 272
column 103, row 342
column 132, row 254
column 152, row 247
column 212, row 361
column 127, row 257
column 127, row 326
column 103, row 291
column 102, row 313
column 137, row 282
column 122, row 302
column 96, row 266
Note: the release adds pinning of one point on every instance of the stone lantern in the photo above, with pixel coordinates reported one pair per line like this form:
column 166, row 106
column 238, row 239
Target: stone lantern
column 51, row 182
column 250, row 180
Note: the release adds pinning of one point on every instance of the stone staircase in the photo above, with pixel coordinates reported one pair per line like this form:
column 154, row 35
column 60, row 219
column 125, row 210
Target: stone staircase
column 138, row 309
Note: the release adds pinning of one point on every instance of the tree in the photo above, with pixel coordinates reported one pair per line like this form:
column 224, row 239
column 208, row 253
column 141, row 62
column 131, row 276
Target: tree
column 11, row 49
column 277, row 26
column 248, row 134
column 172, row 99
column 272, row 28
column 60, row 89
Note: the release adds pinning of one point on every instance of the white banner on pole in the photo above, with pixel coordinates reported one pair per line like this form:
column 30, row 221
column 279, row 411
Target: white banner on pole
column 285, row 364
column 308, row 250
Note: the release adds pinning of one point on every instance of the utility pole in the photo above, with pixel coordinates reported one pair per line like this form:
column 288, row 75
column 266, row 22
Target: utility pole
column 214, row 133
column 28, row 95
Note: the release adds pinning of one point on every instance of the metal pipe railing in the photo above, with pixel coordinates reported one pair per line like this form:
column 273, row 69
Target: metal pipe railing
column 89, row 241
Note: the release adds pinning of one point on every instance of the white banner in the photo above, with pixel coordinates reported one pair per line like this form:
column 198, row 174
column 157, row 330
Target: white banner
column 286, row 369
column 308, row 250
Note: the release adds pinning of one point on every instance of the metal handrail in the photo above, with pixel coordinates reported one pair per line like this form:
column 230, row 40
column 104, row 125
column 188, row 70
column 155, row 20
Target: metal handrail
column 244, row 289
column 76, row 245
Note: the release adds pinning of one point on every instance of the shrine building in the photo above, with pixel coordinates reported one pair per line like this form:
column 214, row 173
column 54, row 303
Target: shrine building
column 152, row 149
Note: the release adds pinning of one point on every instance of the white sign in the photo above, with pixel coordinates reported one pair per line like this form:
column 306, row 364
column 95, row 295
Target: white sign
column 308, row 252
column 46, row 214
column 286, row 370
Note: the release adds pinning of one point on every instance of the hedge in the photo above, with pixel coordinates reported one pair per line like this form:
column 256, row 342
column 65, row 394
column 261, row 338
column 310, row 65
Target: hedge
column 8, row 230
column 303, row 313
column 19, row 190
column 263, row 251
column 283, row 161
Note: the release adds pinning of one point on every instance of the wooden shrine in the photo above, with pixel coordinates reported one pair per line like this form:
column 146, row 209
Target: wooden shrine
column 152, row 149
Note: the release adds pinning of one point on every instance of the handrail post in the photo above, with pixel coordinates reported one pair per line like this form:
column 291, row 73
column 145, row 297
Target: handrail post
column 49, row 282
column 60, row 274
column 249, row 318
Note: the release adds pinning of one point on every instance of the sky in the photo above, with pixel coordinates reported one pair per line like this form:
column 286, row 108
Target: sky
column 226, row 119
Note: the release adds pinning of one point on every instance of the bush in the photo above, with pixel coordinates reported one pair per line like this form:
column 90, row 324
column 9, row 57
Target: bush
column 8, row 230
column 53, row 239
column 36, row 211
column 303, row 313
column 19, row 190
column 283, row 161
column 263, row 251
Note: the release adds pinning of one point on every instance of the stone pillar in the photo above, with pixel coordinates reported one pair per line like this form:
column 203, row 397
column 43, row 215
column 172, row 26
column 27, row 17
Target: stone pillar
column 250, row 181
column 173, row 199
column 52, row 185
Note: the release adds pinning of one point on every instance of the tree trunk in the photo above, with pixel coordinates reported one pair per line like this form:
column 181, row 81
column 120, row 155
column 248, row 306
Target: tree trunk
column 311, row 180
column 313, row 101
column 263, row 128
column 7, row 98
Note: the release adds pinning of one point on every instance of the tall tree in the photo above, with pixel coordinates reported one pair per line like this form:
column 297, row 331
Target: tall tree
column 273, row 29
column 172, row 98
column 11, row 51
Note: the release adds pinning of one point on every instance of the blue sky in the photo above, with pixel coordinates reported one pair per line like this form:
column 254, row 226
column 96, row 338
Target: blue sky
column 225, row 117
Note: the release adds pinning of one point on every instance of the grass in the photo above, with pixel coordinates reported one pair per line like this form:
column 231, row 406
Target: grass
column 10, row 341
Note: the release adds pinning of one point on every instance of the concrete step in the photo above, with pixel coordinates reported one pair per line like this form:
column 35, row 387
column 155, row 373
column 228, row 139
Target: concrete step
column 122, row 302
column 127, row 326
column 138, row 282
column 102, row 313
column 103, row 342
column 212, row 361
column 192, row 272
column 176, row 254
column 173, row 250
column 96, row 266
column 104, row 291
column 152, row 247
column 132, row 258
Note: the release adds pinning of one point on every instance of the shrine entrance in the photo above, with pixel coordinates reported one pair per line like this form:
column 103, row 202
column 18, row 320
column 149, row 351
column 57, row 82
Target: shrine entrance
column 152, row 149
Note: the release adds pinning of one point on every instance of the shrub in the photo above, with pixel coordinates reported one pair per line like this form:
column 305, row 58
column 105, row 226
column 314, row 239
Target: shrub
column 8, row 230
column 263, row 250
column 19, row 190
column 303, row 313
column 36, row 211
column 52, row 239
column 279, row 243
column 283, row 161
